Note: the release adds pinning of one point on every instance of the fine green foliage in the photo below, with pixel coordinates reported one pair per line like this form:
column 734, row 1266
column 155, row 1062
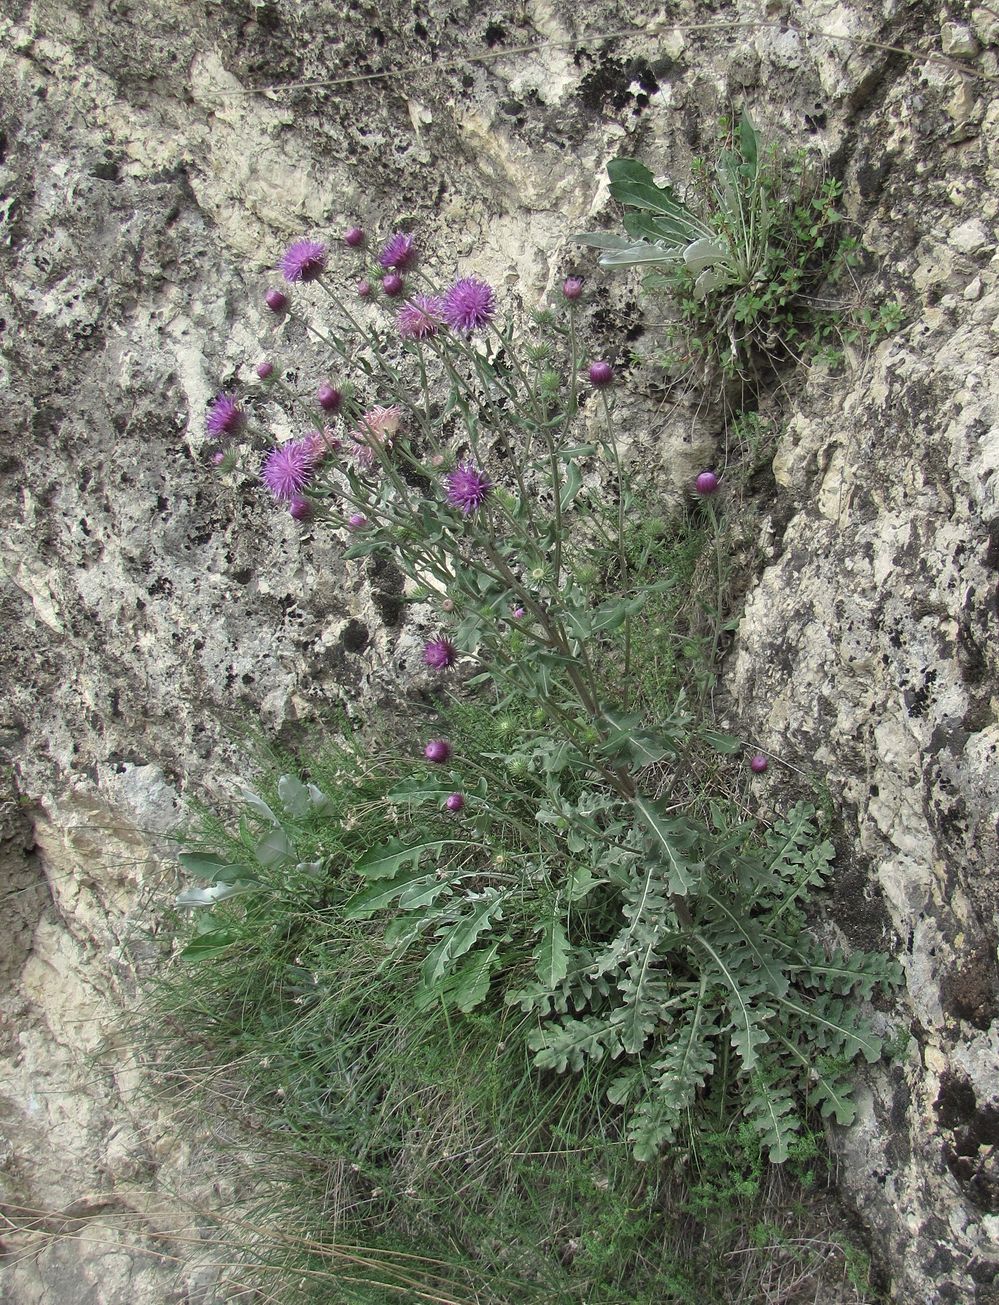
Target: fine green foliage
column 405, row 1150
column 744, row 259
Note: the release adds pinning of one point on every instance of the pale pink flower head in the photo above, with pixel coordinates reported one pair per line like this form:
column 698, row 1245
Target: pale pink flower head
column 323, row 442
column 375, row 430
column 420, row 317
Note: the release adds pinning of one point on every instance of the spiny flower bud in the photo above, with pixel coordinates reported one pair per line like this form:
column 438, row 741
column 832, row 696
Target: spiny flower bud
column 353, row 237
column 706, row 483
column 276, row 300
column 455, row 802
column 572, row 287
column 437, row 751
column 600, row 374
column 758, row 763
column 264, row 369
column 328, row 397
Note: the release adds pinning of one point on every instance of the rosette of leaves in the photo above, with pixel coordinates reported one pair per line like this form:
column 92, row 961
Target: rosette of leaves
column 632, row 934
column 743, row 259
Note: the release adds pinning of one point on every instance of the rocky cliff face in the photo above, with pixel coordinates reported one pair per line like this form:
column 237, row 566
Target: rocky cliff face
column 150, row 607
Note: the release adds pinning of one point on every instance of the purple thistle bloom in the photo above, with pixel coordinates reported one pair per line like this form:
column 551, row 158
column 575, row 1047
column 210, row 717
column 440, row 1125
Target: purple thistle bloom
column 287, row 469
column 706, row 482
column 469, row 304
column 440, row 654
column 399, row 252
column 304, row 260
column 357, row 521
column 600, row 374
column 264, row 369
column 455, row 802
column 467, row 487
column 276, row 300
column 572, row 287
column 758, row 764
column 300, row 508
column 353, row 237
column 437, row 751
column 392, row 285
column 225, row 416
column 420, row 317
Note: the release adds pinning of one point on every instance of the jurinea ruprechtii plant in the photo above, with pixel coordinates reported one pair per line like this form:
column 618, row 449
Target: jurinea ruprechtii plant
column 743, row 258
column 581, row 875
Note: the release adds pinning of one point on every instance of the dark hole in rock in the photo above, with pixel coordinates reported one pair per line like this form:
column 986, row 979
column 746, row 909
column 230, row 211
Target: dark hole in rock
column 354, row 636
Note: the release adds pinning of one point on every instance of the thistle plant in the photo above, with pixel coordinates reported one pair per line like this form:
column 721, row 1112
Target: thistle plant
column 584, row 873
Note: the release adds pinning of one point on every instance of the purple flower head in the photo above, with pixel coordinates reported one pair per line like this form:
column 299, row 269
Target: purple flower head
column 264, row 369
column 420, row 317
column 287, row 469
column 467, row 487
column 469, row 304
column 437, row 751
column 706, row 483
column 455, row 802
column 364, row 289
column 304, row 260
column 518, row 613
column 572, row 287
column 353, row 237
column 225, row 416
column 600, row 374
column 392, row 285
column 399, row 252
column 357, row 521
column 300, row 508
column 440, row 654
column 218, row 457
column 758, row 764
column 276, row 300
column 328, row 397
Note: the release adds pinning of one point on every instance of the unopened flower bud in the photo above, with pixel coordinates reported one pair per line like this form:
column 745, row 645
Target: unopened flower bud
column 276, row 300
column 328, row 397
column 392, row 284
column 600, row 374
column 264, row 369
column 353, row 237
column 572, row 287
column 758, row 763
column 706, row 482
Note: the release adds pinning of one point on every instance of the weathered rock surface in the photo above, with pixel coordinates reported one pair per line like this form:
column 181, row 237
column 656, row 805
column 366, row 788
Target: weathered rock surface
column 149, row 607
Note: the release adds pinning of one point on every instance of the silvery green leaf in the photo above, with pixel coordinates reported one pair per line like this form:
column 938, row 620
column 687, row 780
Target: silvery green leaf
column 710, row 279
column 294, row 796
column 317, row 797
column 640, row 255
column 700, row 254
column 257, row 804
column 192, row 897
column 274, row 848
column 311, row 868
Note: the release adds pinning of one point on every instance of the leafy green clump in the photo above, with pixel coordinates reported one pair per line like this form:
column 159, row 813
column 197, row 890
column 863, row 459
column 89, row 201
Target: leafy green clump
column 744, row 258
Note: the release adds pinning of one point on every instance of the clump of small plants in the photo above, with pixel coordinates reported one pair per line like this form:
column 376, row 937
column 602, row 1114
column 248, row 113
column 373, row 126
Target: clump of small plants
column 748, row 260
